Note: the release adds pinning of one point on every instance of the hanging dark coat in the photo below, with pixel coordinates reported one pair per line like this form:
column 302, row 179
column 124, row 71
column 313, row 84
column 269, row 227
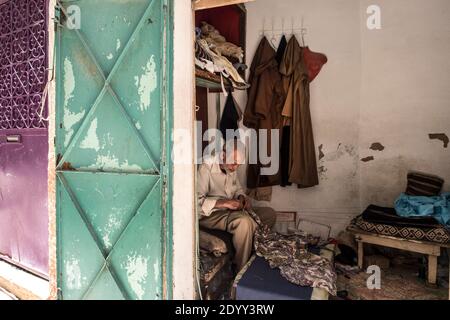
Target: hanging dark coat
column 286, row 131
column 263, row 110
column 230, row 117
column 302, row 159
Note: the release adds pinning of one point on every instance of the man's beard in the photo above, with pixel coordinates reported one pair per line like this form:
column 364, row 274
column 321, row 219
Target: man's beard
column 227, row 170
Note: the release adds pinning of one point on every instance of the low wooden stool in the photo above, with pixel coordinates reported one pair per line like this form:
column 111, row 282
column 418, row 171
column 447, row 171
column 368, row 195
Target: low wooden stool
column 431, row 249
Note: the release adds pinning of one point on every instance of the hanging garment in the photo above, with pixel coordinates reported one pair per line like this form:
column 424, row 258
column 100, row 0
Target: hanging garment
column 230, row 116
column 238, row 109
column 284, row 156
column 286, row 130
column 281, row 49
column 289, row 253
column 263, row 110
column 264, row 95
column 314, row 62
column 437, row 207
column 302, row 159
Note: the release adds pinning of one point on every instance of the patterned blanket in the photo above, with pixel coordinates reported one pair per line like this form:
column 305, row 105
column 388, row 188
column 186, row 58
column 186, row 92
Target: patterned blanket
column 289, row 253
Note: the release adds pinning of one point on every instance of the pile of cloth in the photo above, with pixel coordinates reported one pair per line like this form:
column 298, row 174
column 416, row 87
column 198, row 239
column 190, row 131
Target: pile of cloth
column 290, row 254
column 437, row 207
column 213, row 53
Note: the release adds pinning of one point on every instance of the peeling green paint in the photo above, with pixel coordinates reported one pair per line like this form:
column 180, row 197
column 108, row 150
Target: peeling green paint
column 138, row 125
column 70, row 118
column 91, row 139
column 111, row 163
column 136, row 267
column 146, row 83
column 69, row 82
column 74, row 274
column 112, row 226
column 156, row 270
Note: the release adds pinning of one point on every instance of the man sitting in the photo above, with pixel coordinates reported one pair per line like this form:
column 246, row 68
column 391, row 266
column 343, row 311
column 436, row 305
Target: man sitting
column 223, row 202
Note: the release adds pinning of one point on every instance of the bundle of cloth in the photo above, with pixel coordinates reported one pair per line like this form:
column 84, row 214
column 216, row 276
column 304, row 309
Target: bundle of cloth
column 437, row 207
column 420, row 213
column 423, row 198
column 213, row 51
column 291, row 255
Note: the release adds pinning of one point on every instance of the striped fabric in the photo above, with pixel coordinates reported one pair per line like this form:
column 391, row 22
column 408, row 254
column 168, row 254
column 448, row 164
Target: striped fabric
column 420, row 184
column 432, row 234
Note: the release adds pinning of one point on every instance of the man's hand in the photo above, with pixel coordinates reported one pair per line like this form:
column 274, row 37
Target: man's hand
column 228, row 204
column 246, row 203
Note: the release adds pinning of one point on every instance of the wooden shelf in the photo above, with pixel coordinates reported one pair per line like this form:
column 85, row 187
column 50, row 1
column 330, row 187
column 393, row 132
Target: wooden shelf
column 208, row 4
column 229, row 18
column 209, row 80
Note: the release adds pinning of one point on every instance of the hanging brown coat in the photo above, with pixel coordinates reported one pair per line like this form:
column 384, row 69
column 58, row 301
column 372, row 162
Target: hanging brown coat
column 265, row 99
column 302, row 158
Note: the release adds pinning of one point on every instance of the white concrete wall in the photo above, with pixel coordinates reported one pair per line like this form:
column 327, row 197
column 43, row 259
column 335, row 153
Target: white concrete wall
column 389, row 86
column 405, row 96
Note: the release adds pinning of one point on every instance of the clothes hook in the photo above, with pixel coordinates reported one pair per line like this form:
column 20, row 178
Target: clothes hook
column 292, row 25
column 264, row 27
column 303, row 32
column 273, row 39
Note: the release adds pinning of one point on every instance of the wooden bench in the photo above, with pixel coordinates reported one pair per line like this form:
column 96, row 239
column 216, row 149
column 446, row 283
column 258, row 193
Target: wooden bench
column 431, row 249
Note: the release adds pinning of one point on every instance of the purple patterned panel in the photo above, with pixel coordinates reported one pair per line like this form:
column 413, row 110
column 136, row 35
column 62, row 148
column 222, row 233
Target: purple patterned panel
column 23, row 199
column 23, row 40
column 23, row 164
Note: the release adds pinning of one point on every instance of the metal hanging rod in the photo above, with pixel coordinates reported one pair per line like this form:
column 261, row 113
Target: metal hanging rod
column 288, row 31
column 302, row 31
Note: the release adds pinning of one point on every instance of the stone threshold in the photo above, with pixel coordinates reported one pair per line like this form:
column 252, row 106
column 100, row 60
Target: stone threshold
column 22, row 284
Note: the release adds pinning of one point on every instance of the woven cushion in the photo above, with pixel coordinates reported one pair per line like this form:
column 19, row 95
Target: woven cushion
column 382, row 215
column 420, row 184
column 212, row 244
column 436, row 234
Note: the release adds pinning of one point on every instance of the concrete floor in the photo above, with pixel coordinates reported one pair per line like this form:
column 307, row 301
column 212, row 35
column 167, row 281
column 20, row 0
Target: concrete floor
column 397, row 283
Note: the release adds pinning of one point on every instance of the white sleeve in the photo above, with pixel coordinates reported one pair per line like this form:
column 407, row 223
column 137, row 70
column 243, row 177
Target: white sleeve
column 240, row 191
column 206, row 203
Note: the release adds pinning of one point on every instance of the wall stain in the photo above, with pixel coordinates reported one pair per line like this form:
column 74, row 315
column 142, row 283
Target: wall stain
column 342, row 153
column 322, row 172
column 321, row 155
column 367, row 159
column 376, row 146
column 440, row 136
column 335, row 155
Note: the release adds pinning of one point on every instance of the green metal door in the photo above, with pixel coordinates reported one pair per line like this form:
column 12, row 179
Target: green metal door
column 113, row 119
